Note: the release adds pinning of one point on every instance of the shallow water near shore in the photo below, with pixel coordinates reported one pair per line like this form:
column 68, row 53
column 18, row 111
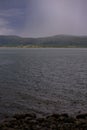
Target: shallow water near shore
column 43, row 80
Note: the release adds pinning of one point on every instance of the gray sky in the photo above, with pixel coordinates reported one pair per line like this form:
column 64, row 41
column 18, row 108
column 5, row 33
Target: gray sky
column 39, row 18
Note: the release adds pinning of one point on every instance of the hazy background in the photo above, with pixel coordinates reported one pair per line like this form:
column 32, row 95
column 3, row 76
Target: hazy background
column 38, row 18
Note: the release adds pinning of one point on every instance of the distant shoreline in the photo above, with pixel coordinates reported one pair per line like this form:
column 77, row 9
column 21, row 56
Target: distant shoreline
column 39, row 47
column 57, row 41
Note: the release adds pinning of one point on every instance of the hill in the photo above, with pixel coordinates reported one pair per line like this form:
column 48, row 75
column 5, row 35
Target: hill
column 53, row 41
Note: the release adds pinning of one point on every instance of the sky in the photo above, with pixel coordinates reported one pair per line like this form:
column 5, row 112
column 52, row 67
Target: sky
column 40, row 18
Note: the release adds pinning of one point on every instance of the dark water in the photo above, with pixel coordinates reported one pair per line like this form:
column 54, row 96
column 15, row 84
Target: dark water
column 43, row 80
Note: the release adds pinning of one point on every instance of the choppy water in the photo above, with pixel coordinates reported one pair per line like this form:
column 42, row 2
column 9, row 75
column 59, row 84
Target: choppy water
column 43, row 80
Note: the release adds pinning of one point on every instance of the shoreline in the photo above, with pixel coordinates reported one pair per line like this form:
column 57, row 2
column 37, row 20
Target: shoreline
column 30, row 121
column 41, row 47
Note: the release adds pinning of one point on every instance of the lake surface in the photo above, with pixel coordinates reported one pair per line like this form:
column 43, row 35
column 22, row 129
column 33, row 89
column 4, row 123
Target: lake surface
column 43, row 80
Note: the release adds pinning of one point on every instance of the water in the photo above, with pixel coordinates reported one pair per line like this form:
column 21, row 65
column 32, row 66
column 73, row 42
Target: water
column 43, row 80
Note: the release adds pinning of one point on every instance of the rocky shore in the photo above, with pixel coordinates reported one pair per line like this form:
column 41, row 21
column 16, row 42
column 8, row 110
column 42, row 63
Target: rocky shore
column 30, row 121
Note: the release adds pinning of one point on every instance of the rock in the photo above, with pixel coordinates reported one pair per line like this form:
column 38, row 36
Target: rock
column 23, row 116
column 55, row 116
column 81, row 116
column 52, row 122
column 40, row 120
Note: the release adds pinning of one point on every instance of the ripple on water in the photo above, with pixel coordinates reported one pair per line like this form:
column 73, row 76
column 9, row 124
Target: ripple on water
column 43, row 80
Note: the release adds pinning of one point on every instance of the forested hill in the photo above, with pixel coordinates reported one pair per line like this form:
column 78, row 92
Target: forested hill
column 53, row 41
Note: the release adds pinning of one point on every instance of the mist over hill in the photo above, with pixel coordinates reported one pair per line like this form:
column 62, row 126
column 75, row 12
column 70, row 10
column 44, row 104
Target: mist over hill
column 52, row 41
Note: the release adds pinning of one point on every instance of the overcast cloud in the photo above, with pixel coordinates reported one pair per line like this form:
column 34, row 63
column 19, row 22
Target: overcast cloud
column 38, row 18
